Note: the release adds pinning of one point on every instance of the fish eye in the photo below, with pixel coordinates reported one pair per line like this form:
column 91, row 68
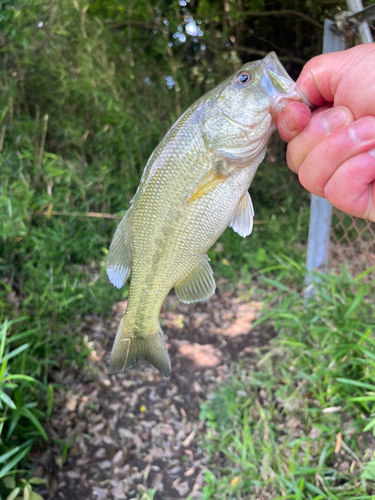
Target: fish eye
column 243, row 79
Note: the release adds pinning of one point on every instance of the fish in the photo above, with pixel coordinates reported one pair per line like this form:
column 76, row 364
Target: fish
column 194, row 185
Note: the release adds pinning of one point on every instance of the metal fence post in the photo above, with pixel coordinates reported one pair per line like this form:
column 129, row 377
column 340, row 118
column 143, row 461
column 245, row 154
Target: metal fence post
column 321, row 209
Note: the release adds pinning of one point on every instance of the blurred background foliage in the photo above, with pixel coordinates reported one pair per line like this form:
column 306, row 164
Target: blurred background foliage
column 87, row 90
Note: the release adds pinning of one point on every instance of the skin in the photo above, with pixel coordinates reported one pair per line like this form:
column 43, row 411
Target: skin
column 333, row 148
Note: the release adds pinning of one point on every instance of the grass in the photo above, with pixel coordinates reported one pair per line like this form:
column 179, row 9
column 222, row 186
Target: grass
column 299, row 423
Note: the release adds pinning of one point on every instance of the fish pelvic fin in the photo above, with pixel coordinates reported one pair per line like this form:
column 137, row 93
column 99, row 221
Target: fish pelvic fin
column 119, row 260
column 242, row 220
column 213, row 178
column 200, row 285
column 131, row 347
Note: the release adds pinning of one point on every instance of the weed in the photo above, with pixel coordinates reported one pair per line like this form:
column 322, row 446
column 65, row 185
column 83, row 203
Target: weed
column 297, row 425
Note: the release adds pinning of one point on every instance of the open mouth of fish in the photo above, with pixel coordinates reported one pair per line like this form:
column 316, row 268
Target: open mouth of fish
column 276, row 83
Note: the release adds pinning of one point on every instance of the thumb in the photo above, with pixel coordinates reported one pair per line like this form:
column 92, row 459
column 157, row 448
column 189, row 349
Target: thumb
column 344, row 78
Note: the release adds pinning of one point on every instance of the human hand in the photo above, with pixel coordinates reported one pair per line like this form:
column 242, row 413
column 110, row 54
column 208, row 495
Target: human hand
column 333, row 149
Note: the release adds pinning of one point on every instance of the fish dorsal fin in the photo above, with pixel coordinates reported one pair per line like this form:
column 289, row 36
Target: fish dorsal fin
column 242, row 220
column 200, row 285
column 119, row 260
column 207, row 183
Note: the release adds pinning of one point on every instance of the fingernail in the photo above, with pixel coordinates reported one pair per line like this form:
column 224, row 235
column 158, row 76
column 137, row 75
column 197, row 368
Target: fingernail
column 333, row 119
column 288, row 120
column 363, row 130
column 372, row 152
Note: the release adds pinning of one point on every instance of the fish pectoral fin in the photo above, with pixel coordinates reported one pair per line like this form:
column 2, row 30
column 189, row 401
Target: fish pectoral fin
column 119, row 260
column 200, row 285
column 129, row 348
column 242, row 220
column 208, row 182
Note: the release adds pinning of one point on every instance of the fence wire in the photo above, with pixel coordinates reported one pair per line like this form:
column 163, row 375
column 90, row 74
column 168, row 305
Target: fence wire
column 352, row 243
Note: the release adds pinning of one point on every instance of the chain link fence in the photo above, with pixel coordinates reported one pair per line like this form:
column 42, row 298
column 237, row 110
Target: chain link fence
column 352, row 243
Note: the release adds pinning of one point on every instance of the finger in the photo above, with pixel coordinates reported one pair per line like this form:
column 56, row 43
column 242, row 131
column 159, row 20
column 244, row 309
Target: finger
column 320, row 76
column 292, row 120
column 352, row 186
column 324, row 159
column 335, row 77
column 321, row 125
column 320, row 109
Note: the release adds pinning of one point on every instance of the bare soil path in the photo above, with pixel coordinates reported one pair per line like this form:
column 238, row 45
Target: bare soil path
column 138, row 430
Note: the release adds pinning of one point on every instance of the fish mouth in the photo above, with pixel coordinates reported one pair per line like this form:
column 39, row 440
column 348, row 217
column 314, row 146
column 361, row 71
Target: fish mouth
column 277, row 84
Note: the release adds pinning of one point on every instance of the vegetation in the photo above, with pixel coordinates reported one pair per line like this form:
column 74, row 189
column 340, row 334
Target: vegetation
column 87, row 91
column 294, row 426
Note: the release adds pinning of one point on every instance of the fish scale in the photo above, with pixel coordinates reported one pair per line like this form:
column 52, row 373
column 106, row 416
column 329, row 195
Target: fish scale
column 194, row 185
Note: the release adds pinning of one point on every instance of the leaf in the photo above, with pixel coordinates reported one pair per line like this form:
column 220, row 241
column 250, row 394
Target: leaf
column 50, row 402
column 13, row 423
column 357, row 383
column 20, row 377
column 4, row 112
column 369, row 472
column 26, row 492
column 365, row 273
column 12, row 495
column 370, row 425
column 3, row 368
column 355, row 304
column 291, row 261
column 15, row 352
column 35, row 496
column 3, row 332
column 275, row 283
column 7, row 455
column 37, row 481
column 362, row 398
column 28, row 414
column 4, row 397
column 9, row 466
column 9, row 481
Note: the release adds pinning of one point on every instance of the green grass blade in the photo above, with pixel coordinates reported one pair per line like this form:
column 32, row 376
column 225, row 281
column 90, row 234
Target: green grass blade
column 7, row 400
column 9, row 466
column 28, row 414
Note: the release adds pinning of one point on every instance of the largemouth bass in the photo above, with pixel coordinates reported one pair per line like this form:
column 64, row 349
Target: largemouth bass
column 194, row 185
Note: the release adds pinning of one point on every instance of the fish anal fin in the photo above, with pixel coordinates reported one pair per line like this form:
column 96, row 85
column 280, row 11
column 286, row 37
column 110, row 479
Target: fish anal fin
column 200, row 285
column 119, row 260
column 242, row 220
column 131, row 347
column 213, row 178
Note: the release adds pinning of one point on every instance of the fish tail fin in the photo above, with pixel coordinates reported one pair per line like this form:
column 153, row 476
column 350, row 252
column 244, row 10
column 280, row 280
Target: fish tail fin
column 131, row 347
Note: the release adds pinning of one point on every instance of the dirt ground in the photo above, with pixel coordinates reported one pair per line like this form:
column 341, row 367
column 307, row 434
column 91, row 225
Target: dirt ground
column 139, row 430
